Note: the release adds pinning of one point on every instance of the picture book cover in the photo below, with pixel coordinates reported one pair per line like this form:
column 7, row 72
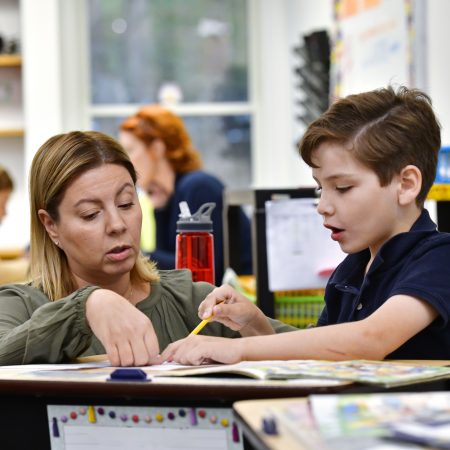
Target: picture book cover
column 386, row 421
column 405, row 420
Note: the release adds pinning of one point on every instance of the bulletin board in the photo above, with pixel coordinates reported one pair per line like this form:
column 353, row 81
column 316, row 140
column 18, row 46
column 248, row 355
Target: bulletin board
column 373, row 45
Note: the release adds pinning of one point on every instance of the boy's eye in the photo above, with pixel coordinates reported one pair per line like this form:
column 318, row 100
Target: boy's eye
column 318, row 191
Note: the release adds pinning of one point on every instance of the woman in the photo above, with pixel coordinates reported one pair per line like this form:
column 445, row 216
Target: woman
column 169, row 171
column 92, row 292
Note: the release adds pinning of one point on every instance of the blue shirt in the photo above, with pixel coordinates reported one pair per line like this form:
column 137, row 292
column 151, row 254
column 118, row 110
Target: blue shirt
column 197, row 188
column 415, row 263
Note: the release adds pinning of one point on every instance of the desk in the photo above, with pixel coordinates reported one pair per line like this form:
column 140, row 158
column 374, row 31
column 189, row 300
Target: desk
column 24, row 397
column 250, row 414
column 319, row 422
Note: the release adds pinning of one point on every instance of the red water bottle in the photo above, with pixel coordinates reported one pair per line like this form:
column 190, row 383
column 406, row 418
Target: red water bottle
column 195, row 242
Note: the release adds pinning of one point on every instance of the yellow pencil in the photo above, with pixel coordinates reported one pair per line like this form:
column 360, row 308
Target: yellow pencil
column 203, row 323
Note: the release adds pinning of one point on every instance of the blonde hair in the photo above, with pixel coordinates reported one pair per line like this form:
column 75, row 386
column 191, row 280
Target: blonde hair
column 55, row 166
column 154, row 122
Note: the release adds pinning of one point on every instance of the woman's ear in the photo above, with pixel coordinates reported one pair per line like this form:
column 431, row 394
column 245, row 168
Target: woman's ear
column 49, row 225
column 410, row 184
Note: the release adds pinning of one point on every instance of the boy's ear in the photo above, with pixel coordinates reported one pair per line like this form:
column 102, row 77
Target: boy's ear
column 49, row 224
column 410, row 179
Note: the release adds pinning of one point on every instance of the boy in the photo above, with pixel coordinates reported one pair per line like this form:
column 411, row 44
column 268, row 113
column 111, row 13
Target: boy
column 6, row 187
column 373, row 156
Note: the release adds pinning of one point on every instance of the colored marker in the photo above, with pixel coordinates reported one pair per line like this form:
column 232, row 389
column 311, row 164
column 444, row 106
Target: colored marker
column 91, row 414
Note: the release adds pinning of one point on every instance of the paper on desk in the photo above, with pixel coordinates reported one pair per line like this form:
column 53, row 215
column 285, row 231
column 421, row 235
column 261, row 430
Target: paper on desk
column 25, row 368
column 299, row 248
column 87, row 371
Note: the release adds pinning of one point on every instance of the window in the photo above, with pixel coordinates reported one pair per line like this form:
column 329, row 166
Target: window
column 191, row 54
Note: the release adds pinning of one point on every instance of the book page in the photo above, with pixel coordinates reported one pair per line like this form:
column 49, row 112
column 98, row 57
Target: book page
column 381, row 373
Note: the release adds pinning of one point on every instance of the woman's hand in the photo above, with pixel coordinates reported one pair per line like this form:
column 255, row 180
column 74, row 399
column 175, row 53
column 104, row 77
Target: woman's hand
column 196, row 350
column 234, row 311
column 126, row 333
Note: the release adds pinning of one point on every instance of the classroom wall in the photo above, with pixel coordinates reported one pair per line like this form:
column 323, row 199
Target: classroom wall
column 51, row 107
column 278, row 28
column 438, row 62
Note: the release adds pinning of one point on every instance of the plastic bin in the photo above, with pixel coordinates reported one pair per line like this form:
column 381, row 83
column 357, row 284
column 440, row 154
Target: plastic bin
column 443, row 167
column 440, row 191
column 299, row 308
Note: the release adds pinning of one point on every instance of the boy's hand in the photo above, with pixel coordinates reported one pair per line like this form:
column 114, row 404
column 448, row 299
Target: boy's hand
column 197, row 350
column 235, row 311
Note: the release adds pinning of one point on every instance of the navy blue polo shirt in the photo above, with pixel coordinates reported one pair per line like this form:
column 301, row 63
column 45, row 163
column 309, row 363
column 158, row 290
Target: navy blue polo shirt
column 414, row 263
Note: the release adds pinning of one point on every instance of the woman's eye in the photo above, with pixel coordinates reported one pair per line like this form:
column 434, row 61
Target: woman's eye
column 126, row 205
column 89, row 217
column 343, row 189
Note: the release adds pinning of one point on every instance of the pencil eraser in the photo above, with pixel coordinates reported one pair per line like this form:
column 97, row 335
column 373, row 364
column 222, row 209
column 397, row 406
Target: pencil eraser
column 128, row 375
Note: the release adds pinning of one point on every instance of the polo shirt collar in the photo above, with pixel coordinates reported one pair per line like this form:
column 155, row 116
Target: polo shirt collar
column 395, row 249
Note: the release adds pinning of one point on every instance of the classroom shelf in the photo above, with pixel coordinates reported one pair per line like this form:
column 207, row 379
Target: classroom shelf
column 439, row 192
column 12, row 132
column 10, row 60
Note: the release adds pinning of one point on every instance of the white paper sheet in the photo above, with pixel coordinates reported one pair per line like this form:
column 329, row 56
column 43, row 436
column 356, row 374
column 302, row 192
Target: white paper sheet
column 300, row 252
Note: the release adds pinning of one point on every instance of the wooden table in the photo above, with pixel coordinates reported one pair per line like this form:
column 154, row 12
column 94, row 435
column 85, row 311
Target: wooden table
column 24, row 397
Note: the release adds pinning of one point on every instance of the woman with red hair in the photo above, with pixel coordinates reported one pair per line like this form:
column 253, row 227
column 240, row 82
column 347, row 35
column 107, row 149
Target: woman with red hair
column 170, row 171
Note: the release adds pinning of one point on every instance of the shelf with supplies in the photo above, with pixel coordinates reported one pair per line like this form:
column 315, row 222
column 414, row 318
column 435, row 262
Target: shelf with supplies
column 14, row 229
column 10, row 60
column 11, row 132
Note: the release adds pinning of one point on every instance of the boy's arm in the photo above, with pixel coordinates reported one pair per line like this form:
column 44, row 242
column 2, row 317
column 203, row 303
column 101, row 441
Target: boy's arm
column 399, row 319
column 395, row 322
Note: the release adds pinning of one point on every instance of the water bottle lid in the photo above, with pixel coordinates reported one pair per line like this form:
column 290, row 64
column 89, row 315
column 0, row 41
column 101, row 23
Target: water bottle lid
column 199, row 221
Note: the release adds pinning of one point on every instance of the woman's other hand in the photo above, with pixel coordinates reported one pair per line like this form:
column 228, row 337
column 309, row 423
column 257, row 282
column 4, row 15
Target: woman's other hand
column 126, row 333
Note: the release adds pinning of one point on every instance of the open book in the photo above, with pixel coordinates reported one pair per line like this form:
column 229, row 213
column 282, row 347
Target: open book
column 381, row 373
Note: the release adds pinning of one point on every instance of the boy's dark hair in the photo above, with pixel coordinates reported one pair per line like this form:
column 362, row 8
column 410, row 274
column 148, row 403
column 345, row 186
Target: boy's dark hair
column 6, row 182
column 385, row 130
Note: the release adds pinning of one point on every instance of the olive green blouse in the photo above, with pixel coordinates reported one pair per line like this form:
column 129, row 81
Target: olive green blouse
column 34, row 329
